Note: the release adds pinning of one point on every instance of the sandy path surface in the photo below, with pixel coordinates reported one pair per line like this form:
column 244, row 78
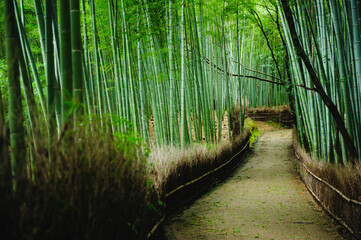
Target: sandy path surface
column 262, row 200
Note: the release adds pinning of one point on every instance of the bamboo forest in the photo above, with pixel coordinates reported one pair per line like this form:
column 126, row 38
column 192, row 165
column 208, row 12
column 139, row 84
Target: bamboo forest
column 180, row 119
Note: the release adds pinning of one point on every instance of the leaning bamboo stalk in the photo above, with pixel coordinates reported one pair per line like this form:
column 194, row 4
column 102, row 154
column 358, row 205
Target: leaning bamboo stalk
column 28, row 53
column 316, row 81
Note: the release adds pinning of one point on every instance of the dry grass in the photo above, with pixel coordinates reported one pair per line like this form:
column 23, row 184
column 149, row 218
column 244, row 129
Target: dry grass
column 99, row 189
column 93, row 192
column 347, row 179
column 174, row 166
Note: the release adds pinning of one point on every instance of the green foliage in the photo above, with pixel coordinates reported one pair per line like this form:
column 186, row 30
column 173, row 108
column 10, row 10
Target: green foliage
column 158, row 17
column 250, row 124
column 128, row 141
column 157, row 207
column 31, row 28
column 275, row 124
column 2, row 33
column 254, row 134
column 3, row 83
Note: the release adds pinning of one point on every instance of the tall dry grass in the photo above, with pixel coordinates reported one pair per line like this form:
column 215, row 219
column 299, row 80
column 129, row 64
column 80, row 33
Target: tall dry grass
column 347, row 178
column 92, row 192
column 174, row 167
column 103, row 186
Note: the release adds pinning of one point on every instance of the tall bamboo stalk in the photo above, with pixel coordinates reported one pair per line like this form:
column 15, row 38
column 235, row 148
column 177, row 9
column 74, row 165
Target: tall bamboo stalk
column 50, row 76
column 182, row 94
column 76, row 49
column 17, row 139
column 65, row 60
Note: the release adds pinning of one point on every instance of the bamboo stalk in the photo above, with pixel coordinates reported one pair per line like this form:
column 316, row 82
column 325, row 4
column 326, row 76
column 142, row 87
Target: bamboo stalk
column 17, row 139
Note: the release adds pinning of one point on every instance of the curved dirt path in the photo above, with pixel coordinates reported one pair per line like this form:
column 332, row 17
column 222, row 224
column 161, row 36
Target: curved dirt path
column 263, row 200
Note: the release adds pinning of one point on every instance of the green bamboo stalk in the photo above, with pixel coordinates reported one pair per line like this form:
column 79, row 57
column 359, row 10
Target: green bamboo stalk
column 316, row 81
column 114, row 43
column 30, row 102
column 172, row 112
column 65, row 61
column 97, row 85
column 27, row 50
column 76, row 48
column 226, row 76
column 239, row 70
column 357, row 52
column 17, row 139
column 144, row 118
column 27, row 86
column 5, row 162
column 2, row 115
column 129, row 75
column 344, row 75
column 57, row 85
column 88, row 81
column 50, row 76
column 183, row 81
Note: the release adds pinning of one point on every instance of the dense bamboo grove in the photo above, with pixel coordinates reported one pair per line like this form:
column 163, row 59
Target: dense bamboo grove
column 179, row 65
column 139, row 74
column 93, row 81
column 327, row 61
column 172, row 70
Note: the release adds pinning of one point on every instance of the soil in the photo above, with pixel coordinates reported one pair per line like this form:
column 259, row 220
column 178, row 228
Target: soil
column 265, row 199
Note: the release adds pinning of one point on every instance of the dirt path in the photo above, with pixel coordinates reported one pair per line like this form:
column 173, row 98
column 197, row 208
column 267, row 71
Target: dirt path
column 263, row 200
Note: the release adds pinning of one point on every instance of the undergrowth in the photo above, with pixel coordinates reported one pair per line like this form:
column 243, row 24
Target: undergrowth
column 347, row 178
column 173, row 167
column 252, row 126
column 99, row 189
column 106, row 185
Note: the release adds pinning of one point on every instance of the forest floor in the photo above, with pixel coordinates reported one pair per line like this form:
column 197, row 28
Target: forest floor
column 264, row 199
